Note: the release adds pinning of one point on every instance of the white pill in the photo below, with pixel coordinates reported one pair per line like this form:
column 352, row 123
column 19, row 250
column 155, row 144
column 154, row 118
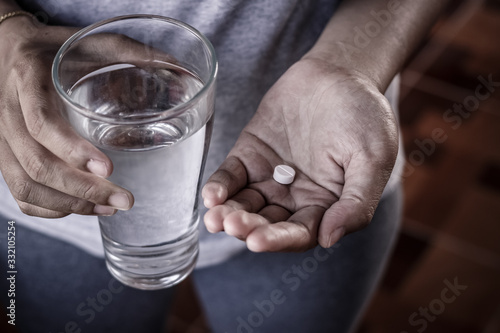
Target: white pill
column 284, row 174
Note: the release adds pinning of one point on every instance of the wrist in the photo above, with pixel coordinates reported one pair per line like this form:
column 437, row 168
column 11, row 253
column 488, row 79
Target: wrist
column 17, row 26
column 367, row 63
column 15, row 13
column 333, row 61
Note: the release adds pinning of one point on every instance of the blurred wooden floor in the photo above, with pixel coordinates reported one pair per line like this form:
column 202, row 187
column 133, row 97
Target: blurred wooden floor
column 451, row 226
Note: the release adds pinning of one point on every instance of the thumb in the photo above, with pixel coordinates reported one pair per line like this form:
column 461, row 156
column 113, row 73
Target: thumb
column 225, row 182
column 365, row 181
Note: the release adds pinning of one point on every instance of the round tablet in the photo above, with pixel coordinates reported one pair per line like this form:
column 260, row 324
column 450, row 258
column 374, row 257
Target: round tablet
column 284, row 174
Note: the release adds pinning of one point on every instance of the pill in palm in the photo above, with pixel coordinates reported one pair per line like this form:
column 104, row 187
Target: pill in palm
column 284, row 174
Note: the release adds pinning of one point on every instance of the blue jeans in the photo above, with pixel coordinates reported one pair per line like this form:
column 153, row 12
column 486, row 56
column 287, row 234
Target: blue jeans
column 60, row 288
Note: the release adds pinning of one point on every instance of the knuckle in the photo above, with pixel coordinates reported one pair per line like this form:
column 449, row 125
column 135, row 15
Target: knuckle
column 307, row 240
column 36, row 121
column 367, row 217
column 24, row 66
column 22, row 189
column 32, row 210
column 225, row 177
column 89, row 191
column 26, row 208
column 36, row 167
column 78, row 206
column 34, row 94
column 75, row 150
column 19, row 69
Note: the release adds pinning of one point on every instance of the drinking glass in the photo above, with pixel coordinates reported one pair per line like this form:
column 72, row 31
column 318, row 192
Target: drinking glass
column 141, row 89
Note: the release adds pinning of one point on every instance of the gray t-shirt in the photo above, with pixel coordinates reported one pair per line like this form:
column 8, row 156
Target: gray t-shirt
column 256, row 42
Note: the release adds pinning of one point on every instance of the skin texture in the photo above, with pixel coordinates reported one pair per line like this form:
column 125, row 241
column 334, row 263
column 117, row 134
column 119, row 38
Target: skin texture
column 326, row 116
column 44, row 162
column 341, row 167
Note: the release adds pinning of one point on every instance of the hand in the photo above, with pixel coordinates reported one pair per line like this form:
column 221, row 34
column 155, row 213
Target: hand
column 50, row 170
column 337, row 131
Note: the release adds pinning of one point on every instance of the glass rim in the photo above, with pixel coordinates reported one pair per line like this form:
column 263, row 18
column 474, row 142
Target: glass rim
column 163, row 115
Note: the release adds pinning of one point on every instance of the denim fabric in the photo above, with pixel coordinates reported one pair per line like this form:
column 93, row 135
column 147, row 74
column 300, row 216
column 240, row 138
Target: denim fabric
column 322, row 290
column 60, row 288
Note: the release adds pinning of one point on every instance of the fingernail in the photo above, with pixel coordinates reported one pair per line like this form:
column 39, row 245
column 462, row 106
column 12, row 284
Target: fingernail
column 335, row 236
column 119, row 201
column 97, row 168
column 104, row 210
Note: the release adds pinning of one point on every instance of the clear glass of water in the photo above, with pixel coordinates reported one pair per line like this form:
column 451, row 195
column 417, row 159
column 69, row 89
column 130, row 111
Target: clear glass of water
column 141, row 89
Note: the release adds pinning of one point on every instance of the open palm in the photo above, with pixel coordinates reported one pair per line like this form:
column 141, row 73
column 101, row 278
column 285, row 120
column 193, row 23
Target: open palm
column 337, row 131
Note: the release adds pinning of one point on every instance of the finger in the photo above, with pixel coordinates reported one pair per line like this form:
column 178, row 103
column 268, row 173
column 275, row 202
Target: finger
column 108, row 48
column 225, row 182
column 46, row 125
column 274, row 213
column 103, row 50
column 33, row 210
column 241, row 223
column 364, row 183
column 46, row 169
column 32, row 197
column 299, row 233
column 246, row 200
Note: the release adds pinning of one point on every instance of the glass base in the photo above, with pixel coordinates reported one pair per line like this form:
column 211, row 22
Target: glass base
column 152, row 267
column 152, row 282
